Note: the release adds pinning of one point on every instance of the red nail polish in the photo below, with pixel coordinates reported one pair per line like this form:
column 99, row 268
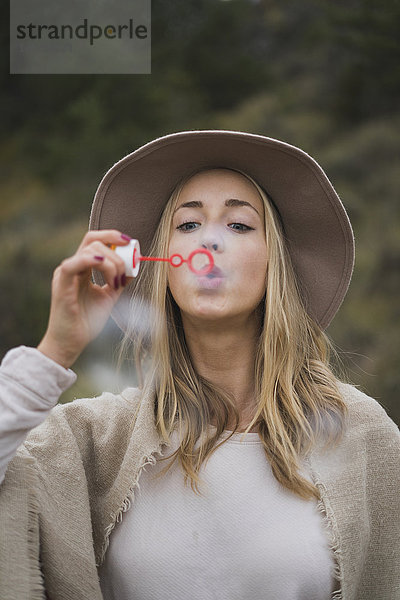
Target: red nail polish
column 123, row 280
column 99, row 257
column 125, row 237
column 116, row 284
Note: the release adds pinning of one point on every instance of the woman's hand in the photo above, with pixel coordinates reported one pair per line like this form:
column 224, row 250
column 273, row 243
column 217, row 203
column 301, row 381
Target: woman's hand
column 79, row 308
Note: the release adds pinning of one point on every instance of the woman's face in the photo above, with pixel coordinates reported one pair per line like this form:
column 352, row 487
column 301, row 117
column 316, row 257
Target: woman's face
column 219, row 210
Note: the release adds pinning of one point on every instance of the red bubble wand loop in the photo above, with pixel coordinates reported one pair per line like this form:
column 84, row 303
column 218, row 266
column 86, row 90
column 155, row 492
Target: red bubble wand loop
column 176, row 260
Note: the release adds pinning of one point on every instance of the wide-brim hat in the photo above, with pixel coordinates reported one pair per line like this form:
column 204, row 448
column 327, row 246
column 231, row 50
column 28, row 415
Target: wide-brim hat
column 133, row 193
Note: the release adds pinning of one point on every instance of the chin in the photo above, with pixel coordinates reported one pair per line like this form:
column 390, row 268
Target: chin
column 207, row 310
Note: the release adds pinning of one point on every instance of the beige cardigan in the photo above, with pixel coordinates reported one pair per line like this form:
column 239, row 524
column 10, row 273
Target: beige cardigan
column 75, row 475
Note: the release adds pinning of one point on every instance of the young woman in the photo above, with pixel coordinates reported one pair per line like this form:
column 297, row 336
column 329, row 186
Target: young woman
column 294, row 474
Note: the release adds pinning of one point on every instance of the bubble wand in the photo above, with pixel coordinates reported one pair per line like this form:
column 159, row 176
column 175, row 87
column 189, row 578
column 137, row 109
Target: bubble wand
column 132, row 258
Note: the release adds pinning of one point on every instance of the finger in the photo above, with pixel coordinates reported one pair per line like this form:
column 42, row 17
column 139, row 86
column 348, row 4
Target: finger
column 82, row 263
column 107, row 236
column 97, row 248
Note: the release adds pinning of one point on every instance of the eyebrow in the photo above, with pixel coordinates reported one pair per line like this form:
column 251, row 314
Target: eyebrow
column 230, row 202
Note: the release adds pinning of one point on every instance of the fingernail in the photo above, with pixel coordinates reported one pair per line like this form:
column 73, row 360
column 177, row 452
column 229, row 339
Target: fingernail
column 123, row 280
column 116, row 284
column 99, row 257
column 125, row 237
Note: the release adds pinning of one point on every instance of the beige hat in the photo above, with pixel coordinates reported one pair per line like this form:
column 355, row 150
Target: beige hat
column 133, row 193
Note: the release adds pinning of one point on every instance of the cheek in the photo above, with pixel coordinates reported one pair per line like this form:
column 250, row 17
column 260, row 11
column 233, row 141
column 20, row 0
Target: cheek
column 174, row 282
column 253, row 265
column 254, row 279
column 171, row 279
column 177, row 243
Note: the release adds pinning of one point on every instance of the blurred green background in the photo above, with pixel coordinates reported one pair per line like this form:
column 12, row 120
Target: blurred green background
column 320, row 75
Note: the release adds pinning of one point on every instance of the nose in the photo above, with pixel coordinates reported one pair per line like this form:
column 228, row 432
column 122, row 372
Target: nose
column 208, row 246
column 212, row 241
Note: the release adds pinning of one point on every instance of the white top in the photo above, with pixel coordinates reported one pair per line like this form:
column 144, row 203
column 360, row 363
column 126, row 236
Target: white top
column 246, row 537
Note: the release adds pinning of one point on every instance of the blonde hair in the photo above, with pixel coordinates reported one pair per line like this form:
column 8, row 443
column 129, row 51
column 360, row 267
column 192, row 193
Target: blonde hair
column 297, row 399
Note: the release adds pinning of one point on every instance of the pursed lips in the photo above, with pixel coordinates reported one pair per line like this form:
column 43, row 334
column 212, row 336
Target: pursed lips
column 215, row 272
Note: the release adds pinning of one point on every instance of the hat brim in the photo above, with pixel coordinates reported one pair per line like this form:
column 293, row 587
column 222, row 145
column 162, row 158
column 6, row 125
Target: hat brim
column 133, row 193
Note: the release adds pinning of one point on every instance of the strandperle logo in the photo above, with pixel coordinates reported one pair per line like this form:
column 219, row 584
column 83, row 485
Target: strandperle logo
column 84, row 31
column 49, row 37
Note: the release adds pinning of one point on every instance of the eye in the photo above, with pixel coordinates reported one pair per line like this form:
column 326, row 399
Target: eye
column 239, row 227
column 242, row 227
column 183, row 227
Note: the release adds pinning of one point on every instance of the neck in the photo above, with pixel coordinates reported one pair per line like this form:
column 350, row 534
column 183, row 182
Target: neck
column 224, row 354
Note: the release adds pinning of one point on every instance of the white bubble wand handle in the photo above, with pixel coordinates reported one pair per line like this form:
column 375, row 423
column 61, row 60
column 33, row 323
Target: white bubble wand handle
column 131, row 256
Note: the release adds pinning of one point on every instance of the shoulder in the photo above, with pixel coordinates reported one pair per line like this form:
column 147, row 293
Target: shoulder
column 89, row 420
column 367, row 455
column 107, row 406
column 360, row 403
column 367, row 417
